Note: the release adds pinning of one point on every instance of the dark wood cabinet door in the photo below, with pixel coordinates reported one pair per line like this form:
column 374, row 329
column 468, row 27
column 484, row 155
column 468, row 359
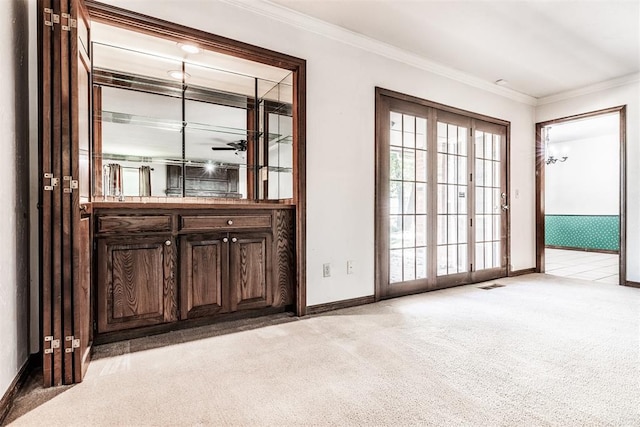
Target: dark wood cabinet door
column 204, row 261
column 250, row 270
column 136, row 282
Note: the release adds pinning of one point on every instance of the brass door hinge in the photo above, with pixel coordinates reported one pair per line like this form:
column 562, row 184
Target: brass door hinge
column 70, row 184
column 68, row 23
column 75, row 343
column 53, row 183
column 53, row 344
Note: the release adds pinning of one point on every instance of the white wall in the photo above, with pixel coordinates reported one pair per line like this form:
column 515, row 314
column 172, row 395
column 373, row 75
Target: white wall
column 588, row 182
column 629, row 95
column 340, row 137
column 14, row 191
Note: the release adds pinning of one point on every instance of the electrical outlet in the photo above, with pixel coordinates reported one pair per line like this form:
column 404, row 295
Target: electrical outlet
column 349, row 267
column 326, row 270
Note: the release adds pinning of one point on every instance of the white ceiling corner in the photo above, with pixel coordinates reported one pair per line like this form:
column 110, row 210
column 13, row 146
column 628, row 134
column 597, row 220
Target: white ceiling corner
column 308, row 23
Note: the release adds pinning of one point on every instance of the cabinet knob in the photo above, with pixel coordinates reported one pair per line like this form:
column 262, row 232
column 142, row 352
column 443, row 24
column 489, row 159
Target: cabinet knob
column 168, row 243
column 230, row 222
column 233, row 239
column 225, row 240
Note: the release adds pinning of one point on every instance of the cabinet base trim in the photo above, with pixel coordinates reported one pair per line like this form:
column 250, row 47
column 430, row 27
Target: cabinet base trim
column 336, row 305
column 110, row 337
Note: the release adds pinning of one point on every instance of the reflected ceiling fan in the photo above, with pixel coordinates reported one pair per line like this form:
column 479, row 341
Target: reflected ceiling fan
column 239, row 146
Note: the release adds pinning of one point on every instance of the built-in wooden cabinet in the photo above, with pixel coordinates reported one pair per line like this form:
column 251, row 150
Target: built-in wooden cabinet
column 170, row 265
column 203, row 290
column 136, row 282
column 250, row 268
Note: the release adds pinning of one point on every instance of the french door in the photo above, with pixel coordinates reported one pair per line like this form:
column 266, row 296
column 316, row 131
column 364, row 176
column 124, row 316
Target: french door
column 441, row 199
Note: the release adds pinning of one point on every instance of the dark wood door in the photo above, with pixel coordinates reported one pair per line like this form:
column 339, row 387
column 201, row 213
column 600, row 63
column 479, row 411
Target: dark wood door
column 136, row 282
column 250, row 272
column 76, row 184
column 205, row 273
column 64, row 75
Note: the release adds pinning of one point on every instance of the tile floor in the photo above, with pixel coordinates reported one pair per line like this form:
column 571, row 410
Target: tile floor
column 583, row 265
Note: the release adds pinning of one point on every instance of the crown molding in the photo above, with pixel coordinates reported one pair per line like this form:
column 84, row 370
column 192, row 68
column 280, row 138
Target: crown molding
column 608, row 84
column 334, row 32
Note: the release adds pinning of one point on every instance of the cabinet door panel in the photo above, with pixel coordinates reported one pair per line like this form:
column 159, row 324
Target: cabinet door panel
column 205, row 270
column 136, row 284
column 250, row 271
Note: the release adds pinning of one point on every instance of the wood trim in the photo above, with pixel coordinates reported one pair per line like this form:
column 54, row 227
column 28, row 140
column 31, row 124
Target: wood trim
column 540, row 182
column 522, row 272
column 337, row 305
column 568, row 248
column 300, row 184
column 438, row 106
column 6, row 402
column 631, row 284
column 168, row 30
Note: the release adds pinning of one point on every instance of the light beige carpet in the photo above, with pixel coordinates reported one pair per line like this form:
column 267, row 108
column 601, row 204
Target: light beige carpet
column 540, row 351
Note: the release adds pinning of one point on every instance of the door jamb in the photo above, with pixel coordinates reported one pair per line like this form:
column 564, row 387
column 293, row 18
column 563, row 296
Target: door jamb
column 540, row 181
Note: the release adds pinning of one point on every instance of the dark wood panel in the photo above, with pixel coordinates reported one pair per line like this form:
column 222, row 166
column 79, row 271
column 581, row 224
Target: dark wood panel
column 250, row 271
column 284, row 240
column 131, row 223
column 136, row 272
column 136, row 283
column 204, row 276
column 231, row 221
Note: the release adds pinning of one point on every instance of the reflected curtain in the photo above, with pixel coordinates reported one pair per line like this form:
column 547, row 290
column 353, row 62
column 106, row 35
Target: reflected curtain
column 144, row 181
column 113, row 179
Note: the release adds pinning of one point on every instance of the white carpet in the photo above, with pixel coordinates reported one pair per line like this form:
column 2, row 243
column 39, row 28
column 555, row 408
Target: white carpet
column 540, row 351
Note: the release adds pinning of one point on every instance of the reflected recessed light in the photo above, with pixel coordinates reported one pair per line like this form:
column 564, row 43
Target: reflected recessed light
column 502, row 82
column 189, row 48
column 209, row 167
column 178, row 75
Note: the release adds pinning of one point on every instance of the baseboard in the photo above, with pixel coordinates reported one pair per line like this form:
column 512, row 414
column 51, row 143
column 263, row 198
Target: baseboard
column 336, row 305
column 632, row 284
column 568, row 248
column 522, row 272
column 16, row 385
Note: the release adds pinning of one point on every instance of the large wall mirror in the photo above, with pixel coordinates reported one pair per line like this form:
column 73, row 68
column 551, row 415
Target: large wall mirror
column 175, row 120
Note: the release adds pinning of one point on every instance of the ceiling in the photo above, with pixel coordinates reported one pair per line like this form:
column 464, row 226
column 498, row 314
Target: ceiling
column 540, row 47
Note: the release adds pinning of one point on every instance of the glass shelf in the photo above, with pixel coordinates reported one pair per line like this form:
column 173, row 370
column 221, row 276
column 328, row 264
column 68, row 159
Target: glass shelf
column 178, row 126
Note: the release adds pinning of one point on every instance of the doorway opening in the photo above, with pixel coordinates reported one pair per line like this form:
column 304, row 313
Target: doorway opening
column 581, row 196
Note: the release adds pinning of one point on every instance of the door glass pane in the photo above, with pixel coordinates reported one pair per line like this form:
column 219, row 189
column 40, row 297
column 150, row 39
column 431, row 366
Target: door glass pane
column 452, row 262
column 395, row 266
column 442, row 261
column 421, row 198
column 421, row 263
column 395, row 231
column 421, row 133
column 409, row 234
column 479, row 264
column 463, row 264
column 421, row 230
column 409, row 197
column 409, row 165
column 409, row 264
column 452, row 229
column 442, row 229
column 395, row 197
column 421, row 166
column 395, row 163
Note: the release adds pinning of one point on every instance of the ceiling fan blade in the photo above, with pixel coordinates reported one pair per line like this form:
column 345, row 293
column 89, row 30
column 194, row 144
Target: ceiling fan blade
column 223, row 149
